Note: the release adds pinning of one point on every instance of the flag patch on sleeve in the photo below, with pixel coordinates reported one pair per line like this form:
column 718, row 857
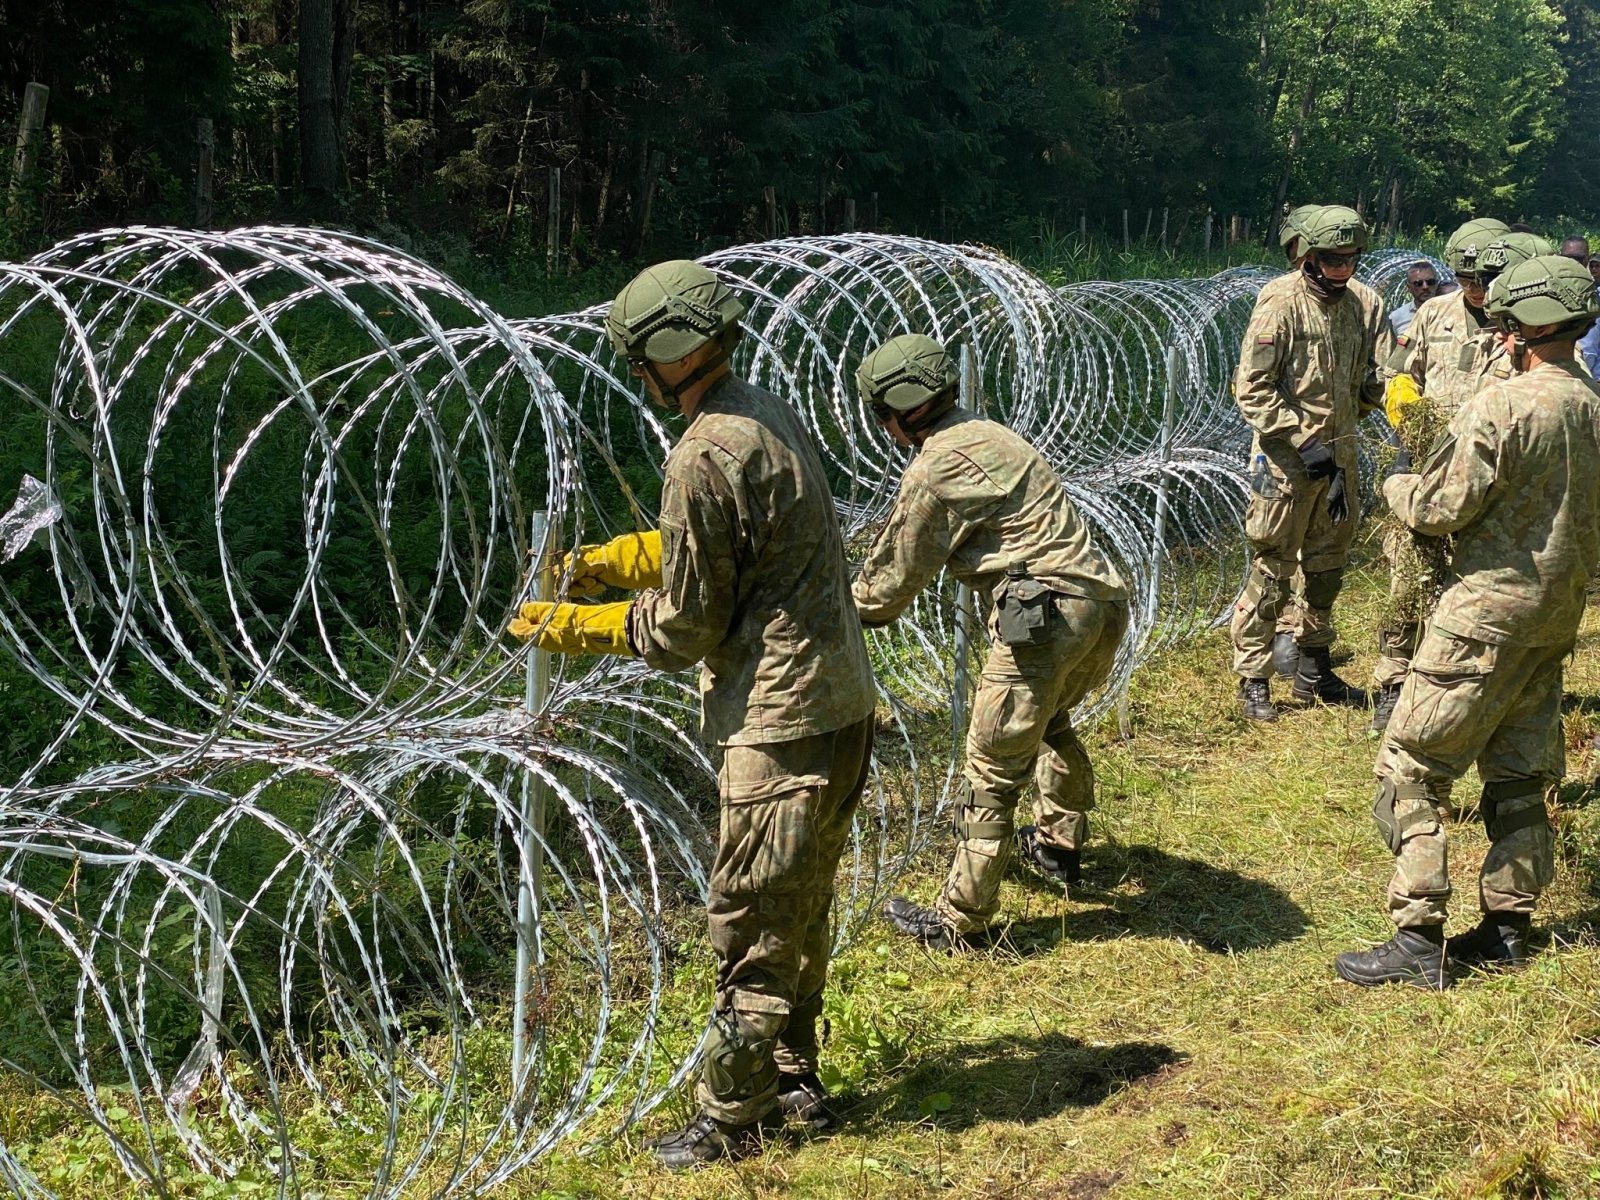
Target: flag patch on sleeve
column 1264, row 339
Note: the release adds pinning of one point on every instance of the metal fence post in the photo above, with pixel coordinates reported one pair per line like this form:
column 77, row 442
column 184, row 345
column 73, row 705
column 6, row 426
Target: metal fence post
column 530, row 884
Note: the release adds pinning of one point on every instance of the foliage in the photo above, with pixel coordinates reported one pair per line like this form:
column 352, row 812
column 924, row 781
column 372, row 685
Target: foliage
column 681, row 125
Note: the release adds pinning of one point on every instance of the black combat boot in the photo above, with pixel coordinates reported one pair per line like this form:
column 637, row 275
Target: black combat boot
column 1053, row 862
column 1285, row 655
column 707, row 1140
column 923, row 924
column 1499, row 941
column 1314, row 680
column 1383, row 707
column 803, row 1098
column 1414, row 956
column 1256, row 697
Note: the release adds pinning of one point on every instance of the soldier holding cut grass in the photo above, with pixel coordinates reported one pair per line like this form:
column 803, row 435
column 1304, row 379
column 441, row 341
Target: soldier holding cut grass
column 980, row 500
column 747, row 577
column 1515, row 480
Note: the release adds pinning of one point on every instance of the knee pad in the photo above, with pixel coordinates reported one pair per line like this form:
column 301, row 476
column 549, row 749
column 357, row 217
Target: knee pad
column 739, row 1063
column 1511, row 805
column 979, row 815
column 1322, row 587
column 1394, row 826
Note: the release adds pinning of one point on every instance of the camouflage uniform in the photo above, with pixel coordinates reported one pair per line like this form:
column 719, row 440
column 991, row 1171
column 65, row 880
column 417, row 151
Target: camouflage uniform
column 978, row 498
column 1307, row 369
column 754, row 585
column 1516, row 480
column 1449, row 352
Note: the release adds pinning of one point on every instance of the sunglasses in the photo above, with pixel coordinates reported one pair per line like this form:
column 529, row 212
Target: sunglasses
column 881, row 413
column 636, row 367
column 1422, row 283
column 1329, row 258
column 1471, row 281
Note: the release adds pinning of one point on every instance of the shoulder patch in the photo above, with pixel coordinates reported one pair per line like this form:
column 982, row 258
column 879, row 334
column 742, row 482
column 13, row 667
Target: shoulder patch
column 1403, row 340
column 1264, row 339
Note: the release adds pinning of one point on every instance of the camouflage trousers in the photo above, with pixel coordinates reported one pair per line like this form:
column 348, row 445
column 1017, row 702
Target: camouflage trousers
column 1021, row 728
column 1464, row 702
column 785, row 819
column 1289, row 530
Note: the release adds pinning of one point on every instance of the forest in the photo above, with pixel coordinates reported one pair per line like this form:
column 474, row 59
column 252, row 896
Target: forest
column 623, row 128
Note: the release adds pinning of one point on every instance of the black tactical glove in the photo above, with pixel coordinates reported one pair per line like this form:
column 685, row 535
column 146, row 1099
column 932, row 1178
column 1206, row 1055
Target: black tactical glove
column 1317, row 460
column 1402, row 463
column 1338, row 505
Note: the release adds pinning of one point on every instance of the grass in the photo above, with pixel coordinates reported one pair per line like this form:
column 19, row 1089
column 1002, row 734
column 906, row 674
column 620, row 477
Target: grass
column 1174, row 1028
column 1171, row 1029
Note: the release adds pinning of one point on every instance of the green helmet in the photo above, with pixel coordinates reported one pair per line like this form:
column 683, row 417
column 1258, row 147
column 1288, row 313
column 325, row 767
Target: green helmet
column 1511, row 249
column 1333, row 227
column 1466, row 244
column 1294, row 225
column 905, row 372
column 670, row 310
column 1547, row 290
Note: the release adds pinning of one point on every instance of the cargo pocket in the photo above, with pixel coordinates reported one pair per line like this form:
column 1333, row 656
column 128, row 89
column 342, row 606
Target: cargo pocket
column 1269, row 517
column 767, row 840
column 1447, row 695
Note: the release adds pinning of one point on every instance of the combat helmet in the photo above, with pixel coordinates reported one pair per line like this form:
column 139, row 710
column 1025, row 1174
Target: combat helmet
column 1467, row 244
column 669, row 311
column 1511, row 249
column 1547, row 290
column 1294, row 226
column 903, row 374
column 1334, row 227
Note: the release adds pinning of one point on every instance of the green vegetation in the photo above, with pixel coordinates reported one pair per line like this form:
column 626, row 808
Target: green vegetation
column 1172, row 1029
column 677, row 127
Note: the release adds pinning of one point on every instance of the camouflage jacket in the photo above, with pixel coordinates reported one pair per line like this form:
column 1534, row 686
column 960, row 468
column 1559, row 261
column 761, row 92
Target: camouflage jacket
column 1516, row 479
column 1308, row 368
column 753, row 577
column 979, row 498
column 1449, row 352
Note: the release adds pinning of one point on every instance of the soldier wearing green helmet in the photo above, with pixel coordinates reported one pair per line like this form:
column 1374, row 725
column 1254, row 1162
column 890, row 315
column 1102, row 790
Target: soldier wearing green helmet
column 1291, row 234
column 979, row 500
column 1447, row 354
column 1515, row 482
column 746, row 576
column 1307, row 372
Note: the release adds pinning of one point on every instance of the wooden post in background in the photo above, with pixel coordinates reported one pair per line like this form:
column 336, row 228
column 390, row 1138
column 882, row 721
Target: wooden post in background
column 552, row 223
column 205, row 143
column 1164, row 228
column 1083, row 227
column 849, row 214
column 1208, row 231
column 1149, row 215
column 769, row 197
column 29, row 129
column 1126, row 244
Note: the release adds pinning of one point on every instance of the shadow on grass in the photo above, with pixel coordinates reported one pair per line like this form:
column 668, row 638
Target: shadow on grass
column 1150, row 893
column 1022, row 1079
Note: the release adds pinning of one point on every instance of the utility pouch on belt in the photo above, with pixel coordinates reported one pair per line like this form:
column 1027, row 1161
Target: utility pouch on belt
column 1024, row 609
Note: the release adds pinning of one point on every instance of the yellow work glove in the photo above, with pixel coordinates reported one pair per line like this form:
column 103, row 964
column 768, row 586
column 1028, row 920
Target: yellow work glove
column 632, row 561
column 1400, row 395
column 574, row 628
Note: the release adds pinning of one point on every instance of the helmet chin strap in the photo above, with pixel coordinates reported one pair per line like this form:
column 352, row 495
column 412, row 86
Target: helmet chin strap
column 1320, row 283
column 672, row 393
column 937, row 407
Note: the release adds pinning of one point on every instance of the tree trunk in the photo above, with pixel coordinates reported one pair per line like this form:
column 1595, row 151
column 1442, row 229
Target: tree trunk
column 319, row 130
column 1307, row 101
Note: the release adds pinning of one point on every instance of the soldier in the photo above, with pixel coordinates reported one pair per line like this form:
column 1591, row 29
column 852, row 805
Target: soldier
column 980, row 500
column 1441, row 357
column 1516, row 480
column 1307, row 373
column 747, row 575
